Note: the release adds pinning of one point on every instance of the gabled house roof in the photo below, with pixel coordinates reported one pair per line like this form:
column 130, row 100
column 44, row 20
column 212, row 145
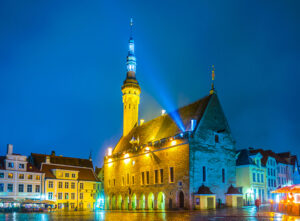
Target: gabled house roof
column 30, row 167
column 244, row 158
column 164, row 126
column 279, row 157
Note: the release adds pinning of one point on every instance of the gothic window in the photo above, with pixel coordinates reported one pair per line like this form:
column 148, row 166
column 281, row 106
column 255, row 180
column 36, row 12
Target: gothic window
column 204, row 174
column 161, row 175
column 217, row 138
column 171, row 174
column 223, row 175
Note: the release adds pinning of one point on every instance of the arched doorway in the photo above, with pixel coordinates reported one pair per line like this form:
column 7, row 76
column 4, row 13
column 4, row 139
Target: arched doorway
column 181, row 199
column 107, row 203
column 113, row 202
column 151, row 201
column 119, row 202
column 126, row 202
column 161, row 200
column 133, row 201
column 142, row 202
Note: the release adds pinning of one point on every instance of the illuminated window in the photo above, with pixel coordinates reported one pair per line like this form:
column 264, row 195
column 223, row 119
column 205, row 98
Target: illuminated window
column 72, row 205
column 37, row 188
column 37, row 177
column 81, row 186
column 21, row 176
column 171, row 174
column 143, row 178
column 66, row 196
column 155, row 176
column 50, row 196
column 67, row 174
column 10, row 165
column 72, row 185
column 67, row 185
column 161, row 175
column 203, row 174
column 21, row 188
column 29, row 188
column 21, row 166
column 10, row 176
column 10, row 187
column 148, row 177
column 60, row 185
column 1, row 175
column 29, row 177
column 50, row 184
column 1, row 187
column 223, row 175
column 72, row 196
column 60, row 196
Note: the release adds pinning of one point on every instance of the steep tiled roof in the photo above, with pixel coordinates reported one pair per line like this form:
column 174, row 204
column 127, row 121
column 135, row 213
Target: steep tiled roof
column 233, row 190
column 204, row 190
column 38, row 159
column 243, row 158
column 164, row 126
column 279, row 157
column 86, row 174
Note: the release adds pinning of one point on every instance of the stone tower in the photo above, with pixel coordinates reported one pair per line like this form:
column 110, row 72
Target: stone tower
column 130, row 90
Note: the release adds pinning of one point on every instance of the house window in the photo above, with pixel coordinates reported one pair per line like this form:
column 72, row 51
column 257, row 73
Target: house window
column 127, row 178
column 21, row 166
column 148, row 177
column 37, row 188
column 50, row 196
column 73, row 196
column 204, row 174
column 72, row 205
column 81, row 196
column 21, row 176
column 60, row 185
column 72, row 185
column 161, row 175
column 132, row 180
column 67, row 185
column 258, row 177
column 171, row 174
column 114, row 182
column 10, row 165
column 81, row 186
column 50, row 184
column 66, row 196
column 155, row 176
column 223, row 175
column 38, row 177
column 217, row 138
column 21, row 188
column 143, row 178
column 1, row 175
column 123, row 181
column 29, row 177
column 67, row 175
column 10, row 187
column 1, row 187
column 10, row 176
column 73, row 175
column 262, row 178
column 29, row 188
column 60, row 196
column 254, row 177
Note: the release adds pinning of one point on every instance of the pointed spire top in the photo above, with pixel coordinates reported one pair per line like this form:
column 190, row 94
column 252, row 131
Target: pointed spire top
column 212, row 90
column 131, row 26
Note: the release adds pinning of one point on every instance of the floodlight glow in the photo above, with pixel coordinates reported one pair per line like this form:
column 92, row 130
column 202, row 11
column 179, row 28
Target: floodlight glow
column 109, row 151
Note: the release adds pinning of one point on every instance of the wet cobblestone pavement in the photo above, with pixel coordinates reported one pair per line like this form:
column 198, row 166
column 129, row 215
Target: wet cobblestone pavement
column 246, row 213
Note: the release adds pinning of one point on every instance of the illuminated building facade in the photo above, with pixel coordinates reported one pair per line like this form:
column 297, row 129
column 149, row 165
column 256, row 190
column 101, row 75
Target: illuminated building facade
column 70, row 182
column 19, row 179
column 160, row 165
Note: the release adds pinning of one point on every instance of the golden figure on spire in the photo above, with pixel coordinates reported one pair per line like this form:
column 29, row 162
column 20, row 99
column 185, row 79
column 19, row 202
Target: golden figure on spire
column 212, row 90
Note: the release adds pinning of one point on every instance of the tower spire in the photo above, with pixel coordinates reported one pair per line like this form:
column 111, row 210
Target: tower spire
column 212, row 90
column 131, row 60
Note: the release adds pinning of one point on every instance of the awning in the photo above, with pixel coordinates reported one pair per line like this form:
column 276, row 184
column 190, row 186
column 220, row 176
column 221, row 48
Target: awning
column 288, row 189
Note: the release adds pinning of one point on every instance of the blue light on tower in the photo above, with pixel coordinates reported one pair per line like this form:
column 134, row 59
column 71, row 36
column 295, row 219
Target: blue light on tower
column 131, row 60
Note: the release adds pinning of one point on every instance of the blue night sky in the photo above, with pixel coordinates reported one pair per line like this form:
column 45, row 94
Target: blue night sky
column 62, row 64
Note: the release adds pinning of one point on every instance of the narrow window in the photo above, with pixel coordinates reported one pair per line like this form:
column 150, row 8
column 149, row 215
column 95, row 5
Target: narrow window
column 161, row 175
column 217, row 138
column 204, row 174
column 258, row 178
column 114, row 182
column 127, row 178
column 171, row 174
column 123, row 181
column 148, row 177
column 223, row 175
column 132, row 180
column 254, row 177
column 262, row 178
column 155, row 176
column 143, row 178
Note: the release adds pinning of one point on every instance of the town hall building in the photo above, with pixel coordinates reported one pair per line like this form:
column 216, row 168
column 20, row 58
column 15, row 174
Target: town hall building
column 165, row 162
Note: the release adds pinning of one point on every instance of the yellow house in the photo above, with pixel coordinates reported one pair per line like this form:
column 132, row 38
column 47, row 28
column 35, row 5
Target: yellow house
column 70, row 182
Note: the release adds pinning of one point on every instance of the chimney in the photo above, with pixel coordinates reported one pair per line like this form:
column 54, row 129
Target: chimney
column 52, row 153
column 9, row 148
column 193, row 124
column 142, row 121
column 47, row 159
column 163, row 112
